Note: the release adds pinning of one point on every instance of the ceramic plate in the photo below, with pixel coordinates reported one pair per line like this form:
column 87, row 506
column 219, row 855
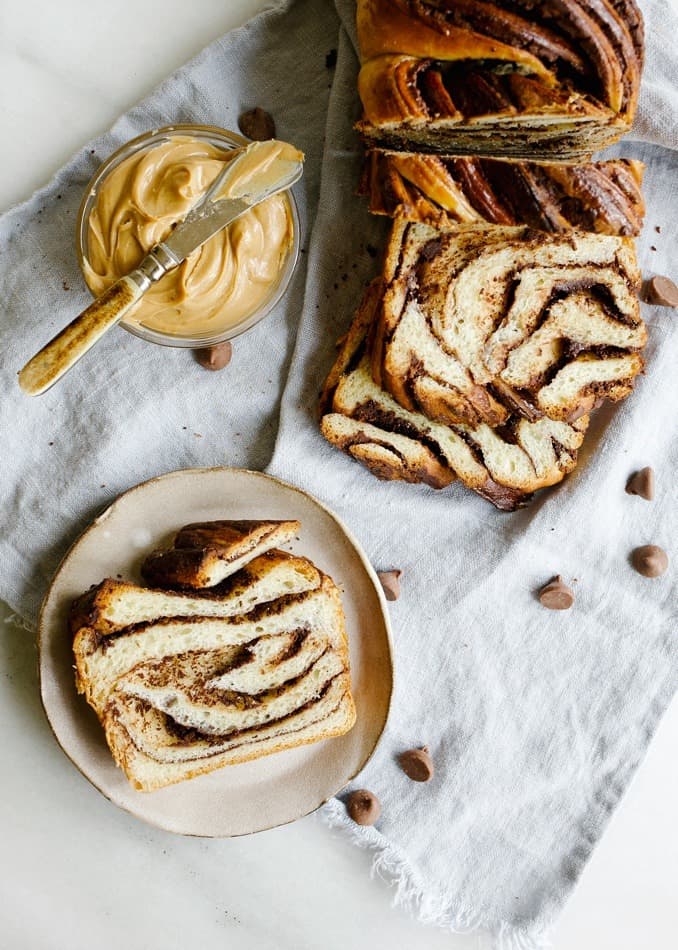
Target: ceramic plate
column 275, row 789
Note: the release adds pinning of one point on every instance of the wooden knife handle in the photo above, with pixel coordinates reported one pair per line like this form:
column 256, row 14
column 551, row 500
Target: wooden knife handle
column 62, row 352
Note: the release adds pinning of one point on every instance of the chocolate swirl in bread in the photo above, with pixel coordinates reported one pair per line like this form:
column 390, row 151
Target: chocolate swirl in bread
column 475, row 77
column 476, row 325
column 505, row 465
column 441, row 191
column 197, row 681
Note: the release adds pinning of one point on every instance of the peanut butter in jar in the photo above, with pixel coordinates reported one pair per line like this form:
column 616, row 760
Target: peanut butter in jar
column 225, row 286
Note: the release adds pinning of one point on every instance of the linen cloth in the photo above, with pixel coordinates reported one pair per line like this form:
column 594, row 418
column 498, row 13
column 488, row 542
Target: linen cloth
column 536, row 720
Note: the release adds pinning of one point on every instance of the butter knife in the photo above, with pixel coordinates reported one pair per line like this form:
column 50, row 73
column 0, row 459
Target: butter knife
column 212, row 212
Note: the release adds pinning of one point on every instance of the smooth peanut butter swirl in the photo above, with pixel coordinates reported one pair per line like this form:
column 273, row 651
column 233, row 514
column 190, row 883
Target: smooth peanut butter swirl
column 224, row 281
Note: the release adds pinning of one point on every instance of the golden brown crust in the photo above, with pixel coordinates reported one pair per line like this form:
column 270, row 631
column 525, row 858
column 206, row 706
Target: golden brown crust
column 443, row 192
column 386, row 27
column 562, row 77
column 352, row 342
column 503, row 466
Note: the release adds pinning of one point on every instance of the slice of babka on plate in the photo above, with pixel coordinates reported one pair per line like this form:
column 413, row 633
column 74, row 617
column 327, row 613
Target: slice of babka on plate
column 203, row 555
column 187, row 681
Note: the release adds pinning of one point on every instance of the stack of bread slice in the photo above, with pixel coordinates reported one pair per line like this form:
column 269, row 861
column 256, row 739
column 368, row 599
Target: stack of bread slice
column 506, row 309
column 238, row 650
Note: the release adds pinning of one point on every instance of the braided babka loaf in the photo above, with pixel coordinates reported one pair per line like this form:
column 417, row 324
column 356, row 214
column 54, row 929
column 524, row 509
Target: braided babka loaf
column 185, row 683
column 479, row 324
column 504, row 465
column 604, row 197
column 505, row 78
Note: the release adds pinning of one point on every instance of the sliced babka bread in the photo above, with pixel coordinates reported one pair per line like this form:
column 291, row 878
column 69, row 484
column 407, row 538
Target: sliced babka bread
column 154, row 752
column 480, row 323
column 101, row 659
column 113, row 604
column 186, row 683
column 203, row 555
column 603, row 197
column 505, row 464
column 467, row 77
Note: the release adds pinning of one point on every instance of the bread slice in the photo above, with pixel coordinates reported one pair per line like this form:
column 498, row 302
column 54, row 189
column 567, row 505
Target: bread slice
column 558, row 80
column 113, row 605
column 207, row 553
column 603, row 197
column 504, row 465
column 187, row 681
column 179, row 697
column 478, row 324
column 134, row 731
column 101, row 659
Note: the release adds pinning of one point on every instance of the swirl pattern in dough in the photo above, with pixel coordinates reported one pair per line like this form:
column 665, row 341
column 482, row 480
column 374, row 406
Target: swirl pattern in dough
column 476, row 77
column 483, row 323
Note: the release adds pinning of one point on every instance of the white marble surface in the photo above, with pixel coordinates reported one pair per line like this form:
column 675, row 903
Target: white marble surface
column 76, row 871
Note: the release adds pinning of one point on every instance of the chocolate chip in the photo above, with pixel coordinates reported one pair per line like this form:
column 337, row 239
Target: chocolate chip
column 364, row 807
column 331, row 59
column 641, row 483
column 556, row 595
column 417, row 764
column 257, row 124
column 390, row 581
column 661, row 291
column 215, row 357
column 650, row 560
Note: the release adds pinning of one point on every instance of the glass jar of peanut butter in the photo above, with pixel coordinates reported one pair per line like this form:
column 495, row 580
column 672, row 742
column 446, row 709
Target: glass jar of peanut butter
column 223, row 288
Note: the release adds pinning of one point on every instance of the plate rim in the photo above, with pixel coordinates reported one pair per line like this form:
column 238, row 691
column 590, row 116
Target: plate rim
column 358, row 549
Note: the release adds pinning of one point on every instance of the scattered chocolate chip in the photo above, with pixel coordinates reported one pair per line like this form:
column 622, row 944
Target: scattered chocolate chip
column 65, row 285
column 390, row 581
column 642, row 483
column 215, row 357
column 257, row 124
column 661, row 291
column 650, row 560
column 658, row 229
column 652, row 247
column 417, row 764
column 331, row 59
column 556, row 595
column 364, row 807
column 371, row 250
